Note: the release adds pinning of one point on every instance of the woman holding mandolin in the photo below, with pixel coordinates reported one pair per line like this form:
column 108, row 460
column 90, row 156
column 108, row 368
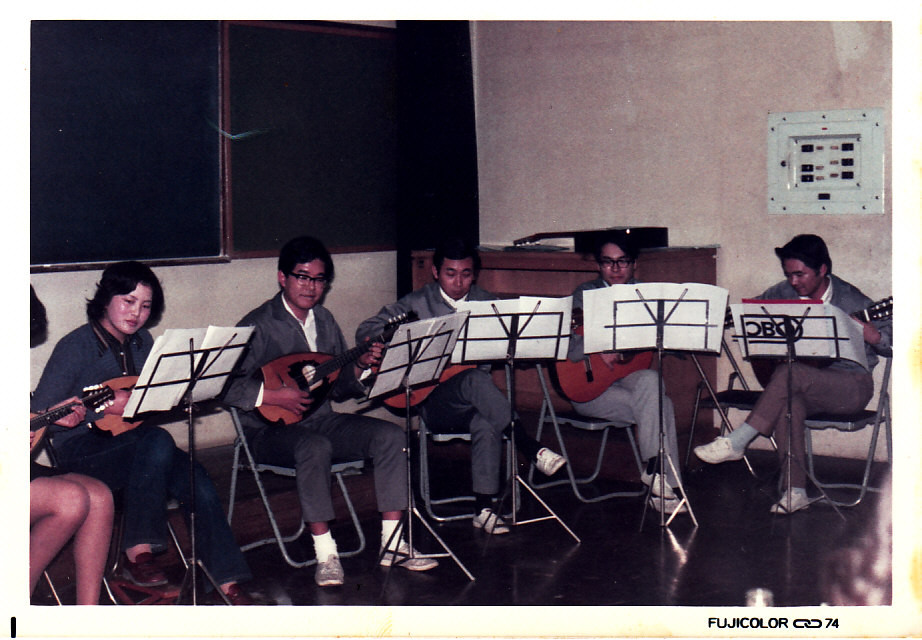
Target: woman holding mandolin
column 842, row 387
column 142, row 462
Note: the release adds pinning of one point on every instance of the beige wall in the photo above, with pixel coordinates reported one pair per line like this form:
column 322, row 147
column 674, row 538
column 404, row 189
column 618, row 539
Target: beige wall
column 585, row 125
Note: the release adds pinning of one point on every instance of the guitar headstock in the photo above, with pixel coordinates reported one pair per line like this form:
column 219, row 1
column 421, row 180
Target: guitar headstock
column 391, row 327
column 97, row 396
column 879, row 310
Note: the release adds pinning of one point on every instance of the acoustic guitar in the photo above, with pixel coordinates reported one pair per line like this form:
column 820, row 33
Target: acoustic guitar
column 764, row 368
column 588, row 378
column 398, row 400
column 315, row 373
column 94, row 398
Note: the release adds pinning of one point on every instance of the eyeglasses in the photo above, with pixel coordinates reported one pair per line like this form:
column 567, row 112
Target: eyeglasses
column 620, row 263
column 303, row 278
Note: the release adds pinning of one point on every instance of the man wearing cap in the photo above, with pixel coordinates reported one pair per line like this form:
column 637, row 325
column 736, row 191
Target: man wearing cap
column 841, row 388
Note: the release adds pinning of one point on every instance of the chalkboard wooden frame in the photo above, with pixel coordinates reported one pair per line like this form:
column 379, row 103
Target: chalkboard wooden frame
column 310, row 136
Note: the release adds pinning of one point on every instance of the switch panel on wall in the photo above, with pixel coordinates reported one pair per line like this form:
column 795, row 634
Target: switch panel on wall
column 826, row 161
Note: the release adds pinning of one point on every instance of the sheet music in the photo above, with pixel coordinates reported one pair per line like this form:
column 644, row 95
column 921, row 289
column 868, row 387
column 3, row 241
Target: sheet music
column 624, row 316
column 821, row 330
column 431, row 342
column 165, row 376
column 543, row 329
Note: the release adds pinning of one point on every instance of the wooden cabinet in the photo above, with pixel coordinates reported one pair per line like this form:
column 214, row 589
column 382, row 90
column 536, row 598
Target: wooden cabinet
column 540, row 273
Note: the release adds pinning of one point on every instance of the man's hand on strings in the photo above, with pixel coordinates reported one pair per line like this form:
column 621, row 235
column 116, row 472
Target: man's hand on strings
column 370, row 358
column 76, row 415
column 871, row 334
column 289, row 398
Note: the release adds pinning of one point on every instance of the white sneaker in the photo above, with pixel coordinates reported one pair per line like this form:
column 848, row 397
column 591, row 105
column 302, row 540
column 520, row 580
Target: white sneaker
column 329, row 573
column 668, row 505
column 719, row 450
column 402, row 558
column 798, row 501
column 549, row 462
column 489, row 521
column 654, row 481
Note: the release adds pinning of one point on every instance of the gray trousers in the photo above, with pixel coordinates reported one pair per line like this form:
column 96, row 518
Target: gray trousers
column 312, row 445
column 814, row 391
column 634, row 399
column 470, row 401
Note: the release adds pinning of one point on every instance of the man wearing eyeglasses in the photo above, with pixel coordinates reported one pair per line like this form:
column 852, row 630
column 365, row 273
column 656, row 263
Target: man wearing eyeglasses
column 633, row 398
column 295, row 321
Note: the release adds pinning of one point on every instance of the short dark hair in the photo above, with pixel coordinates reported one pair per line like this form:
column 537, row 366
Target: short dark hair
column 455, row 248
column 809, row 249
column 38, row 320
column 302, row 250
column 619, row 238
column 121, row 278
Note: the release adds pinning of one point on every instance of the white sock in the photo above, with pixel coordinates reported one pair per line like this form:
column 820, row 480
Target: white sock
column 324, row 546
column 387, row 529
column 741, row 437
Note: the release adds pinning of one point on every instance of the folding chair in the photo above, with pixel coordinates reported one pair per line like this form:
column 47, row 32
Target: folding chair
column 852, row 423
column 721, row 401
column 549, row 415
column 425, row 479
column 114, row 585
column 339, row 471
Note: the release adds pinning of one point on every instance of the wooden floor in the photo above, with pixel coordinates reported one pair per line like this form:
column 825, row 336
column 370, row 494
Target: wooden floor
column 621, row 558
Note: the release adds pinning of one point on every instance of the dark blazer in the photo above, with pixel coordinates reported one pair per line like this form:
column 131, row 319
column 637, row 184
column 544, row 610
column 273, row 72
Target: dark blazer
column 277, row 333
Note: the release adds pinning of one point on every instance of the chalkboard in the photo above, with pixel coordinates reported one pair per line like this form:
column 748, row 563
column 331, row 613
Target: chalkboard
column 311, row 135
column 125, row 153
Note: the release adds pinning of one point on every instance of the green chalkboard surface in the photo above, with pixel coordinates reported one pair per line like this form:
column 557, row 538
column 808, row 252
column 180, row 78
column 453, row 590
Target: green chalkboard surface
column 125, row 156
column 311, row 135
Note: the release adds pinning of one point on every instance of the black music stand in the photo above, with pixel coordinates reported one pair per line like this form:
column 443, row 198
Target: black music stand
column 505, row 330
column 417, row 354
column 661, row 316
column 796, row 329
column 187, row 366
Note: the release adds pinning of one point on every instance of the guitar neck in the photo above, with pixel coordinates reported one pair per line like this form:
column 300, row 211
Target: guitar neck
column 51, row 416
column 336, row 363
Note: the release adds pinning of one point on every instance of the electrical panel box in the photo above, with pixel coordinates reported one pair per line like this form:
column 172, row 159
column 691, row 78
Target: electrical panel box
column 826, row 161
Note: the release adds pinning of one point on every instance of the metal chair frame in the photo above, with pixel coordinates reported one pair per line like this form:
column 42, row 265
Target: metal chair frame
column 339, row 471
column 425, row 480
column 850, row 424
column 548, row 415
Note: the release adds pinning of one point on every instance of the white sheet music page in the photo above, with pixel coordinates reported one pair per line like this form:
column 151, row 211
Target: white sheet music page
column 626, row 317
column 540, row 327
column 224, row 347
column 426, row 344
column 819, row 330
column 167, row 370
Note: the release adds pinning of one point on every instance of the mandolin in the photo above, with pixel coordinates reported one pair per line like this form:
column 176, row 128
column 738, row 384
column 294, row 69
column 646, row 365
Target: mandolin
column 94, row 398
column 315, row 373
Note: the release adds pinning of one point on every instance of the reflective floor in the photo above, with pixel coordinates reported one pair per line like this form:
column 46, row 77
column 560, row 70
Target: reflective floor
column 623, row 557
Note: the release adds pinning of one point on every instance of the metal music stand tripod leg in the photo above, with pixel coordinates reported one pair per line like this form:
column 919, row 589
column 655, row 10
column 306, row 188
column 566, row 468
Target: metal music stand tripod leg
column 405, row 526
column 516, row 479
column 725, row 420
column 789, row 459
column 663, row 456
column 161, row 378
